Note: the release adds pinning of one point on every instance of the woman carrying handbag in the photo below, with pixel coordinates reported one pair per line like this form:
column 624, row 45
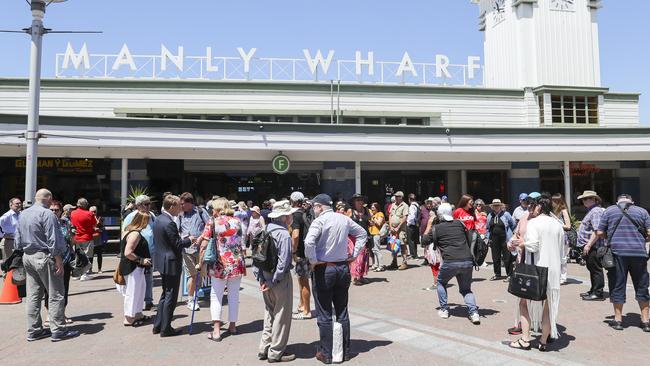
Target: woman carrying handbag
column 542, row 247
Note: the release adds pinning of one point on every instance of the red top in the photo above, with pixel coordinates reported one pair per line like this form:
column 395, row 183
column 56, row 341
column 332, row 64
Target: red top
column 467, row 218
column 481, row 223
column 84, row 221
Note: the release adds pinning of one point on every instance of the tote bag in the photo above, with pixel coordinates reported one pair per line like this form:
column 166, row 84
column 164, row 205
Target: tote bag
column 529, row 281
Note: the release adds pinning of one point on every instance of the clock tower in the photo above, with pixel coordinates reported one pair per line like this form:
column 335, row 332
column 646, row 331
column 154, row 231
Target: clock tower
column 529, row 43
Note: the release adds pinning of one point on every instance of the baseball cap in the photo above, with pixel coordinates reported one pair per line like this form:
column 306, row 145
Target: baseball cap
column 523, row 196
column 297, row 197
column 322, row 199
column 444, row 211
column 534, row 195
column 399, row 194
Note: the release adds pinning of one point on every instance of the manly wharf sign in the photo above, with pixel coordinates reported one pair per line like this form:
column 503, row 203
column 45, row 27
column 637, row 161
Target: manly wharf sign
column 247, row 65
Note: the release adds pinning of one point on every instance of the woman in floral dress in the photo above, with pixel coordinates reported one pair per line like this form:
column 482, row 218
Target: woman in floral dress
column 228, row 269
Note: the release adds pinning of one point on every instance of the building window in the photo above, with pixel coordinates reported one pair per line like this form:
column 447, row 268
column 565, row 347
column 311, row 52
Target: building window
column 574, row 110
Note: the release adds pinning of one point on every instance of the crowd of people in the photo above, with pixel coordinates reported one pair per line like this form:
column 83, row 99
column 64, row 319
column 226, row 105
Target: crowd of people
column 329, row 246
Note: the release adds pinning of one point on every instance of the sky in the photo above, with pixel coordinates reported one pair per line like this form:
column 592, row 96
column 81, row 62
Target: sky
column 282, row 28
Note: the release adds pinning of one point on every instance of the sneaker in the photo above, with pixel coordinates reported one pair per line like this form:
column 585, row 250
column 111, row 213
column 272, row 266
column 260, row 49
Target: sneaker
column 444, row 314
column 192, row 305
column 85, row 277
column 433, row 287
column 65, row 335
column 43, row 333
column 286, row 357
column 475, row 318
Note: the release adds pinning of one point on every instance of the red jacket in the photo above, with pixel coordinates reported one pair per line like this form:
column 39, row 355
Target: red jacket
column 84, row 221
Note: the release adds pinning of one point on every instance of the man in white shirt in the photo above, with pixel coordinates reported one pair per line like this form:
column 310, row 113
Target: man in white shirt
column 8, row 224
column 413, row 226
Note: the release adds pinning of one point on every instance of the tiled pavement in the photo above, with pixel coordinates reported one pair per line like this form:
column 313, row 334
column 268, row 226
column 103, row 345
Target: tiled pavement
column 394, row 321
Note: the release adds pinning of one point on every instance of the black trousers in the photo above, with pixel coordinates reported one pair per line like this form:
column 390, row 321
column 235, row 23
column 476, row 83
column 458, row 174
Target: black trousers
column 330, row 285
column 596, row 274
column 99, row 251
column 413, row 236
column 500, row 252
column 167, row 303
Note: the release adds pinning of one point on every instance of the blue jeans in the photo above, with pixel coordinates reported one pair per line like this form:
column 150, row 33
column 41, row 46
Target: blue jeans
column 148, row 292
column 330, row 285
column 463, row 273
column 637, row 267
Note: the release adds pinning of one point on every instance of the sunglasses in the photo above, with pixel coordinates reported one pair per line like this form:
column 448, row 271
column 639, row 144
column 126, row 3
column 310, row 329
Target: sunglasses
column 55, row 209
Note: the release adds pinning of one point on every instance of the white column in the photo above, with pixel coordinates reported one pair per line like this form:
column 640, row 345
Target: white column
column 463, row 181
column 124, row 182
column 357, row 176
column 567, row 183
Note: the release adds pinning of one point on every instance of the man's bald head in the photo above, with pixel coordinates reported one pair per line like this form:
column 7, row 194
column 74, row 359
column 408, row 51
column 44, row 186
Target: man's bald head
column 43, row 196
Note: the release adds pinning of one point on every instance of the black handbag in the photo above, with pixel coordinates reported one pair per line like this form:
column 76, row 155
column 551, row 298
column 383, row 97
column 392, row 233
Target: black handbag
column 529, row 281
column 606, row 257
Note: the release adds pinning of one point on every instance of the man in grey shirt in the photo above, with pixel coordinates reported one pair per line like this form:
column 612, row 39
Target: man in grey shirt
column 277, row 288
column 39, row 236
column 326, row 247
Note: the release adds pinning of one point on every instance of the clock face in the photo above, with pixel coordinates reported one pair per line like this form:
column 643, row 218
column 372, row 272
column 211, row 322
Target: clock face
column 567, row 5
column 498, row 11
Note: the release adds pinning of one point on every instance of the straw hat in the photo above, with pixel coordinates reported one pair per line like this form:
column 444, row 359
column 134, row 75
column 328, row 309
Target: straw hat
column 589, row 194
column 496, row 202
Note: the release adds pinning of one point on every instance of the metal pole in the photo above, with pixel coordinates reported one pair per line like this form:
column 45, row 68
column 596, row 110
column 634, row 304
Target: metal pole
column 124, row 182
column 331, row 101
column 32, row 135
column 567, row 184
column 357, row 176
column 338, row 102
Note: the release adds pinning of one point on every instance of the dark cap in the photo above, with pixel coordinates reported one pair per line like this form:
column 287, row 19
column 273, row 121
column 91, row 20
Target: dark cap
column 322, row 199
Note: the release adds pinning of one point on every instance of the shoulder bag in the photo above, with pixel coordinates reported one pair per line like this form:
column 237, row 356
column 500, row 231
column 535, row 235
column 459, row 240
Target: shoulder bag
column 529, row 281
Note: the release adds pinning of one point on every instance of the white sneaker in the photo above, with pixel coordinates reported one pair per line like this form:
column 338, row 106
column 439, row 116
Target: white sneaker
column 475, row 319
column 443, row 314
column 85, row 277
column 191, row 305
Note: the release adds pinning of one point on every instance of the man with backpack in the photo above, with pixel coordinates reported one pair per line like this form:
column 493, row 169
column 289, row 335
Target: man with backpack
column 272, row 263
column 192, row 221
column 326, row 247
column 413, row 226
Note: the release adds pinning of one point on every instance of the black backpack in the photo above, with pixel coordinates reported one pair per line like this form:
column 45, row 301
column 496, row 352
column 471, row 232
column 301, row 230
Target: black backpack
column 478, row 247
column 265, row 254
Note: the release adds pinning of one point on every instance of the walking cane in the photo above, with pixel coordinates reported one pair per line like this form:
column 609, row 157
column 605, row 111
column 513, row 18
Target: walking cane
column 197, row 284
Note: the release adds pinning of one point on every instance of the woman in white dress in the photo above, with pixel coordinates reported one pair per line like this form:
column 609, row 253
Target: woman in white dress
column 543, row 246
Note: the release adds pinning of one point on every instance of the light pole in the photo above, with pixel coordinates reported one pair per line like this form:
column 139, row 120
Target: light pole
column 32, row 135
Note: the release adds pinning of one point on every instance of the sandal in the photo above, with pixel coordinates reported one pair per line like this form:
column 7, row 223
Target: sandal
column 301, row 316
column 542, row 347
column 520, row 344
column 213, row 338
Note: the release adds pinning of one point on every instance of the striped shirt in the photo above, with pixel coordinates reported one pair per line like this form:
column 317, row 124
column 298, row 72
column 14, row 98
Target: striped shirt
column 627, row 241
column 589, row 225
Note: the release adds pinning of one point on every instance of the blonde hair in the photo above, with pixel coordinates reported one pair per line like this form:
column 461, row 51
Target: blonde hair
column 221, row 206
column 140, row 221
column 242, row 205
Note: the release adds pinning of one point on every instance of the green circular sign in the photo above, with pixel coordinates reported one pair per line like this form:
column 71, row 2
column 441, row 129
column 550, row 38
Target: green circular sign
column 281, row 164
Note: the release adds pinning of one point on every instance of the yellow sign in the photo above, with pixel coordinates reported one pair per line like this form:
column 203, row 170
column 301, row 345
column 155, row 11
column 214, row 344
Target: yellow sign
column 62, row 165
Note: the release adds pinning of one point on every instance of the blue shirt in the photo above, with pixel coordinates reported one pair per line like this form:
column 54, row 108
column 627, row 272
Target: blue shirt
column 38, row 231
column 147, row 233
column 327, row 238
column 627, row 241
column 8, row 223
column 282, row 241
column 589, row 225
column 192, row 224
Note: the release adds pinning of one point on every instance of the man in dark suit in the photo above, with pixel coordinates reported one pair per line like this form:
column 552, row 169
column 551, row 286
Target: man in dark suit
column 168, row 261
